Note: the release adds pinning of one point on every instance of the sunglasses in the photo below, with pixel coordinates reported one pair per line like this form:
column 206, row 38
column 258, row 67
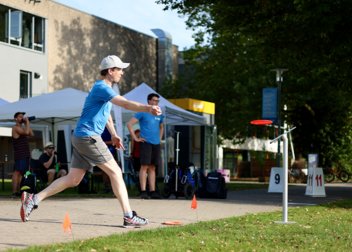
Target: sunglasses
column 50, row 148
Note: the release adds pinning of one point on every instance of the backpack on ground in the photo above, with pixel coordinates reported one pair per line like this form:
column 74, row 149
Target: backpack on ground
column 213, row 186
column 29, row 183
column 87, row 184
column 198, row 177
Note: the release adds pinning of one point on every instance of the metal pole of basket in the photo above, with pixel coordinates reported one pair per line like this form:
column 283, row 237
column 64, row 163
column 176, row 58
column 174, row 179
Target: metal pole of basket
column 176, row 167
column 285, row 178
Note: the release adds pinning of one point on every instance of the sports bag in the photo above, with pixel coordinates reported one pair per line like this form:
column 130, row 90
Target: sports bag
column 213, row 186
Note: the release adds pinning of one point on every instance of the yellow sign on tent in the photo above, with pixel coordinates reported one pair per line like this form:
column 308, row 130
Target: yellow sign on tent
column 195, row 105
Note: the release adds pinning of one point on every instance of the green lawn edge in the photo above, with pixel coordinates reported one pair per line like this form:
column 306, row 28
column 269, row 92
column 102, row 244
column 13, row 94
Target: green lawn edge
column 323, row 227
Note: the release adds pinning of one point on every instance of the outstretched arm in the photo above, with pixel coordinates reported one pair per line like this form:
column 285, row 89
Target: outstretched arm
column 135, row 106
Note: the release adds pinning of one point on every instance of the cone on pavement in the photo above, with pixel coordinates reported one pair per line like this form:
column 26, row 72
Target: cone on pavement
column 67, row 224
column 194, row 203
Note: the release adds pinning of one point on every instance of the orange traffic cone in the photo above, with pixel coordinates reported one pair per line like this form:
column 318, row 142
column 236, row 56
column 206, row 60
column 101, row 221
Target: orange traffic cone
column 67, row 224
column 194, row 203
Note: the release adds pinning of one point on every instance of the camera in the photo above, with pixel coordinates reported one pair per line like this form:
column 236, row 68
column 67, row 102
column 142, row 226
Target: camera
column 30, row 118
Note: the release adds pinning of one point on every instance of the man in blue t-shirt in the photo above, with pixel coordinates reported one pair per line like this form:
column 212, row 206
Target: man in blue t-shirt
column 89, row 148
column 152, row 129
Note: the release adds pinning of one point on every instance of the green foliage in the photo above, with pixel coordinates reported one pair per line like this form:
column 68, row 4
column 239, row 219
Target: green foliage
column 239, row 41
column 259, row 156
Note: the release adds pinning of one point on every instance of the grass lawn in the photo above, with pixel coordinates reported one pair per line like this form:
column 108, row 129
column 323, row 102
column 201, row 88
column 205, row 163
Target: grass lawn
column 325, row 227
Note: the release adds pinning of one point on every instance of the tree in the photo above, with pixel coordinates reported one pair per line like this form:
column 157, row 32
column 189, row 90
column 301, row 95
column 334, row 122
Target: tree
column 246, row 39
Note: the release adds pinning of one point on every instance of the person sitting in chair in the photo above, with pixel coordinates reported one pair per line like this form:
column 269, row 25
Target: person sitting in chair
column 48, row 161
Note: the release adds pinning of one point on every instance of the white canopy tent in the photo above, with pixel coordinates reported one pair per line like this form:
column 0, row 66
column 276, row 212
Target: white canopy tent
column 4, row 131
column 62, row 107
column 3, row 102
column 173, row 115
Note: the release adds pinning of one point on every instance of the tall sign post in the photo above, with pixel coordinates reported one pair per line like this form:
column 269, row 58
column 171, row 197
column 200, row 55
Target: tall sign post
column 284, row 178
column 269, row 108
column 279, row 72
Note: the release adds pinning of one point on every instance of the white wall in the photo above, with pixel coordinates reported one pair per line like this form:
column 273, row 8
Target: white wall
column 254, row 144
column 12, row 60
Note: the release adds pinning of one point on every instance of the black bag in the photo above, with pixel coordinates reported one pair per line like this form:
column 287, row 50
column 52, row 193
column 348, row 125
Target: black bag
column 29, row 183
column 213, row 186
column 87, row 184
column 198, row 177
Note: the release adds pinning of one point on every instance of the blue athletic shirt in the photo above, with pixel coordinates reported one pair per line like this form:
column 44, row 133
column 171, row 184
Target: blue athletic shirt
column 150, row 126
column 96, row 110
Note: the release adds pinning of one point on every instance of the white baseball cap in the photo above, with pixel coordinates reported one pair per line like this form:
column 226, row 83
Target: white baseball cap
column 112, row 61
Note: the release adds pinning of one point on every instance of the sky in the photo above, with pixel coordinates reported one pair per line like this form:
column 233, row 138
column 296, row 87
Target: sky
column 139, row 15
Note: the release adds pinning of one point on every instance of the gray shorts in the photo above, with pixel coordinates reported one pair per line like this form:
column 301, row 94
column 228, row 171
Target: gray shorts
column 89, row 151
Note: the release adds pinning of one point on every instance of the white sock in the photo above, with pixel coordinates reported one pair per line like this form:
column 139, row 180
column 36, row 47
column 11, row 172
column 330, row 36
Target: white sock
column 36, row 199
column 128, row 214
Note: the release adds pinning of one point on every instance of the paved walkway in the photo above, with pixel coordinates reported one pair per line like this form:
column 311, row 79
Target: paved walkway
column 101, row 217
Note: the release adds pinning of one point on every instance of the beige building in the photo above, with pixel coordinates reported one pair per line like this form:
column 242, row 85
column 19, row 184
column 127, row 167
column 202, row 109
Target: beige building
column 75, row 43
column 46, row 46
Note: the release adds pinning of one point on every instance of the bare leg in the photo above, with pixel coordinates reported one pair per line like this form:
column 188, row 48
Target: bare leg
column 112, row 169
column 151, row 178
column 51, row 175
column 73, row 178
column 143, row 177
column 19, row 178
column 15, row 178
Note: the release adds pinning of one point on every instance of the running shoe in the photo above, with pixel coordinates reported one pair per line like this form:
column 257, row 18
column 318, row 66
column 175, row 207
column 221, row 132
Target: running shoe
column 135, row 221
column 28, row 205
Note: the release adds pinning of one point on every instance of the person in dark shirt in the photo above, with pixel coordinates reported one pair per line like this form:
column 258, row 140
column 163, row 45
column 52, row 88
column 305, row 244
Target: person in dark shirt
column 48, row 162
column 21, row 150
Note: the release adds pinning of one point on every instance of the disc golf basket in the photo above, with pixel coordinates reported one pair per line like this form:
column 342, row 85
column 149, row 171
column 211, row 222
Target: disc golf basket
column 180, row 181
column 261, row 122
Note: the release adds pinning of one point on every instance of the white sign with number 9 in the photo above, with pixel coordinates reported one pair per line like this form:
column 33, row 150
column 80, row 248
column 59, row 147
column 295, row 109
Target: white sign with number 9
column 275, row 185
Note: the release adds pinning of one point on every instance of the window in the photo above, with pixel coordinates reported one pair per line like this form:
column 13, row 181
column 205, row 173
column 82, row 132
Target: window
column 26, row 30
column 38, row 33
column 25, row 84
column 4, row 23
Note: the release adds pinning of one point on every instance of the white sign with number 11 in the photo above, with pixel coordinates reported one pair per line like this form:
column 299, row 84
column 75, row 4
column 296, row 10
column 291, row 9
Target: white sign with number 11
column 315, row 183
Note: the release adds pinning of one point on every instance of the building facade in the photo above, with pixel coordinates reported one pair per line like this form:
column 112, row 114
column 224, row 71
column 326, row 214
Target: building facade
column 46, row 46
column 49, row 46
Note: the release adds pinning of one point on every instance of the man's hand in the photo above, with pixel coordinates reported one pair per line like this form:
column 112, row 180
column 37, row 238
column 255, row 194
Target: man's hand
column 116, row 141
column 53, row 153
column 140, row 139
column 155, row 110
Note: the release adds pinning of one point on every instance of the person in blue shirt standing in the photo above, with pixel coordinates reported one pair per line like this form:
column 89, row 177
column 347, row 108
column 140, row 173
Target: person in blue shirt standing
column 89, row 148
column 152, row 129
